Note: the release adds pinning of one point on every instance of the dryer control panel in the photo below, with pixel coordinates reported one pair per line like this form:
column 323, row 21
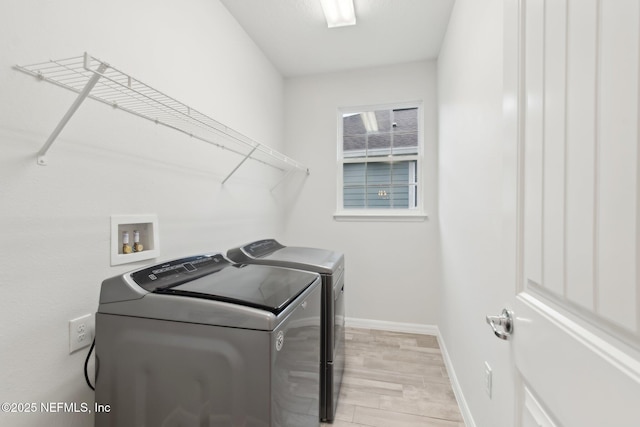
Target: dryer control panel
column 261, row 248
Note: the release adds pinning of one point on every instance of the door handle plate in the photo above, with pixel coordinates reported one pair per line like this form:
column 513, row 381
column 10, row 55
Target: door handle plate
column 502, row 325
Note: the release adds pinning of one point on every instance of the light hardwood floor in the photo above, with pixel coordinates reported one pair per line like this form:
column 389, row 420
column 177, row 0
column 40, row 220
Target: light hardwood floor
column 395, row 379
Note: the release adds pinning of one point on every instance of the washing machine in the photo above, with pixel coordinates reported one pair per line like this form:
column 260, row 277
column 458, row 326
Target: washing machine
column 199, row 341
column 330, row 265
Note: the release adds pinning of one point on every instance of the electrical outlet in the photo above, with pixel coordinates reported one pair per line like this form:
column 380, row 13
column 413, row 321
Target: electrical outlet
column 80, row 332
column 488, row 373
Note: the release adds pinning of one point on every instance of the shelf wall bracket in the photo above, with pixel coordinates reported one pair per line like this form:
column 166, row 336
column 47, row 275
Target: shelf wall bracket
column 283, row 179
column 42, row 160
column 239, row 164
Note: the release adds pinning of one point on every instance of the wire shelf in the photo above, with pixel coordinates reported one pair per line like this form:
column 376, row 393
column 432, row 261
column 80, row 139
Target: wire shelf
column 98, row 80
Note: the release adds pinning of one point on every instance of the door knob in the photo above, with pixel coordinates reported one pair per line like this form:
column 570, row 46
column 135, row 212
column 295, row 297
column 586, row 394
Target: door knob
column 504, row 322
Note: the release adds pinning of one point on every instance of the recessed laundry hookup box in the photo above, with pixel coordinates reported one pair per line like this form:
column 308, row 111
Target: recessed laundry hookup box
column 134, row 238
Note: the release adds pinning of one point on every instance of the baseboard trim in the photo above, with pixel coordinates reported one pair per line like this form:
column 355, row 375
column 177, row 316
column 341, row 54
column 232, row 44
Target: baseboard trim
column 417, row 328
column 455, row 385
column 412, row 328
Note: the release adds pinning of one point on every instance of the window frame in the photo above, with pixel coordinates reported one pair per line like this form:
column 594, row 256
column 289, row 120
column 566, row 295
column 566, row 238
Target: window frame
column 394, row 214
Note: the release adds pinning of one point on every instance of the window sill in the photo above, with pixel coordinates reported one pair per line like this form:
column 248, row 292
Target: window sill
column 385, row 215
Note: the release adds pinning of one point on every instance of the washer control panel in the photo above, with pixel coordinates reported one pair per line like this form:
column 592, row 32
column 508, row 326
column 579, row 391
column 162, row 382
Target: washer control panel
column 176, row 272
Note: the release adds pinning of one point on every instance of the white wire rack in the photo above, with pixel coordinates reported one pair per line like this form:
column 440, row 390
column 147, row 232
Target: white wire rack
column 98, row 80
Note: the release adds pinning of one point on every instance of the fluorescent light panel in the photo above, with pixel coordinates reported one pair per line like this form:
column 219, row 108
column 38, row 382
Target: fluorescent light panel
column 339, row 13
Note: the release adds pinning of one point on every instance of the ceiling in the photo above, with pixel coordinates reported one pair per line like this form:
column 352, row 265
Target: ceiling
column 293, row 34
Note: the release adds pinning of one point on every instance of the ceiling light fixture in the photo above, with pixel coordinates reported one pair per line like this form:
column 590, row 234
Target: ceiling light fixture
column 339, row 13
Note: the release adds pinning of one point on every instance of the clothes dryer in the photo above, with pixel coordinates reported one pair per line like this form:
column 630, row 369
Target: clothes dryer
column 330, row 265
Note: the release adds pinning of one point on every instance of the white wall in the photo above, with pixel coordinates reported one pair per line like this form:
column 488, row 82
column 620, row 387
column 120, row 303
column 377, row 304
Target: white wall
column 470, row 194
column 55, row 220
column 392, row 267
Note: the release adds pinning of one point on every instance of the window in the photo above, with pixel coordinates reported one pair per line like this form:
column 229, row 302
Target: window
column 379, row 161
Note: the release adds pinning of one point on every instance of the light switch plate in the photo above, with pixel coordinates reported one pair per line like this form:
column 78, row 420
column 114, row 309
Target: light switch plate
column 488, row 374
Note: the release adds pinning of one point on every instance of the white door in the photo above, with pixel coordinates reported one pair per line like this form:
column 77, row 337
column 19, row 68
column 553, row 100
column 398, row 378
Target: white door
column 572, row 210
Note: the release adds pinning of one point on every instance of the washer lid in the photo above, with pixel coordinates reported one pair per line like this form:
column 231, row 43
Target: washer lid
column 263, row 287
column 270, row 252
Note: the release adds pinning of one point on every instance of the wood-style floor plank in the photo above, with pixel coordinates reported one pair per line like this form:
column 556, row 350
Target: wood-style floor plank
column 395, row 379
